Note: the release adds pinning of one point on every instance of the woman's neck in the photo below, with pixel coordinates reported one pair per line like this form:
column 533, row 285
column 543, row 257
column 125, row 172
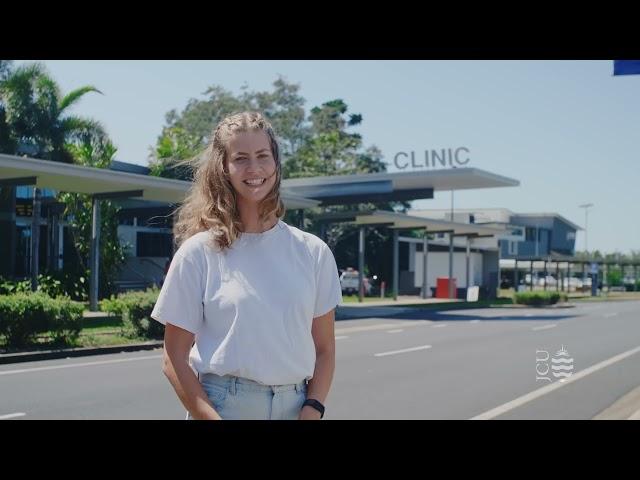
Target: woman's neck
column 251, row 220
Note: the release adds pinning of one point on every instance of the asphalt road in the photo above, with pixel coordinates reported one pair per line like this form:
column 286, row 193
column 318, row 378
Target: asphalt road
column 484, row 363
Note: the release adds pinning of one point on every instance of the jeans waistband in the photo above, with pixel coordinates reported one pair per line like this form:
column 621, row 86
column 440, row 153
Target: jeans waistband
column 231, row 382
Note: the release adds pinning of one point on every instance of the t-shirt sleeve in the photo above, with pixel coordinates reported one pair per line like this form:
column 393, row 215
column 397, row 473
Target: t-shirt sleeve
column 180, row 300
column 328, row 291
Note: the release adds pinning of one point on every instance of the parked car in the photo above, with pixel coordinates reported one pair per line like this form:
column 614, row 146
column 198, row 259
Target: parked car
column 540, row 280
column 549, row 280
column 571, row 283
column 349, row 282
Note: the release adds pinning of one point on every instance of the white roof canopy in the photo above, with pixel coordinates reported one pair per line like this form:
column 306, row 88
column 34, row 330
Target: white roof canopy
column 80, row 179
column 400, row 220
column 296, row 192
column 449, row 179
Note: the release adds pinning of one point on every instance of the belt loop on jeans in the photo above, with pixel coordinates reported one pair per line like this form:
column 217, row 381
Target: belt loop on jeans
column 233, row 385
column 300, row 386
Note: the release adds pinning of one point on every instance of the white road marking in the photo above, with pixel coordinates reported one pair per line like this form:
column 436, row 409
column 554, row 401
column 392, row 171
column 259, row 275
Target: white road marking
column 12, row 415
column 87, row 364
column 635, row 416
column 607, row 315
column 342, row 337
column 381, row 326
column 475, row 321
column 499, row 410
column 396, row 331
column 440, row 325
column 545, row 327
column 394, row 352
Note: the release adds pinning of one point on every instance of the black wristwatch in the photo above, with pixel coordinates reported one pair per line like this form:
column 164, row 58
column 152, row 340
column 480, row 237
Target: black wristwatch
column 314, row 404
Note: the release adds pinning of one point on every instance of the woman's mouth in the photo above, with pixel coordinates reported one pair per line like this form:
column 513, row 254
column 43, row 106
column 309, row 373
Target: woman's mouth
column 254, row 182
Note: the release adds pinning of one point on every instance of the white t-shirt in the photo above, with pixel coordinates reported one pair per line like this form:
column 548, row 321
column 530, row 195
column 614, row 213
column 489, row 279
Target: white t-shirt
column 251, row 306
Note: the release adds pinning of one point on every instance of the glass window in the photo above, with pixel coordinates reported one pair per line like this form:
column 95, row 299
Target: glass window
column 153, row 244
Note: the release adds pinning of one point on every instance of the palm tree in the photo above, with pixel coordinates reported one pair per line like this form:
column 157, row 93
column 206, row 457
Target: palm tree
column 34, row 112
column 34, row 122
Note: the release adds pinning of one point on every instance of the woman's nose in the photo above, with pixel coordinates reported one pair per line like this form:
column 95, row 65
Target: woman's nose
column 253, row 165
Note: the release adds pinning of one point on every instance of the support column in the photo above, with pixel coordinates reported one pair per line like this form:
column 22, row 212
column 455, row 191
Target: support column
column 95, row 256
column 35, row 238
column 361, row 265
column 451, row 293
column 396, row 265
column 425, row 252
column 467, row 265
column 531, row 276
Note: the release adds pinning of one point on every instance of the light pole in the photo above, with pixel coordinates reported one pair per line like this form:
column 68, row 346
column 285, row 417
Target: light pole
column 586, row 207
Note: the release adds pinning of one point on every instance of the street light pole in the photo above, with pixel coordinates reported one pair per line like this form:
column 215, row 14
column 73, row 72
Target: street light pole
column 586, row 207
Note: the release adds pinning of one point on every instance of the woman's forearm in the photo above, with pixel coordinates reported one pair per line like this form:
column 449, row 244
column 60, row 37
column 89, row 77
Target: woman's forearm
column 190, row 391
column 320, row 384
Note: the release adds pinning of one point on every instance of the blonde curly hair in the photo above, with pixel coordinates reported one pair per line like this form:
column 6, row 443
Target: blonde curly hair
column 211, row 202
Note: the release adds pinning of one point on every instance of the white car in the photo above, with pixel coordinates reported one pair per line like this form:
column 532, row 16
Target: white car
column 572, row 282
column 349, row 282
column 539, row 280
column 549, row 280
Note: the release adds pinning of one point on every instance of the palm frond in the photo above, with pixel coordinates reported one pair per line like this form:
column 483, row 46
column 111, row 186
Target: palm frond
column 72, row 97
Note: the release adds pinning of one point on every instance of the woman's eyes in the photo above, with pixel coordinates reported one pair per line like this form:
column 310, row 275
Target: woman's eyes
column 244, row 159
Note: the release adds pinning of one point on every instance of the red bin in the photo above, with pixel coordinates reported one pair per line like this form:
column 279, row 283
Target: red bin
column 442, row 287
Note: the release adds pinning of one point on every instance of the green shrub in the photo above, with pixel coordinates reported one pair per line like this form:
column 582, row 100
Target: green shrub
column 614, row 277
column 57, row 284
column 135, row 309
column 67, row 324
column 539, row 298
column 8, row 287
column 24, row 315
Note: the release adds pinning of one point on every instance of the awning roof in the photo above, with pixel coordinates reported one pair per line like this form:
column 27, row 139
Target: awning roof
column 80, row 179
column 296, row 193
column 449, row 179
column 400, row 220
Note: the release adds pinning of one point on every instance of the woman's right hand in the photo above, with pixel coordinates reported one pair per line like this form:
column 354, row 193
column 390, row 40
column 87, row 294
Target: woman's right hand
column 177, row 345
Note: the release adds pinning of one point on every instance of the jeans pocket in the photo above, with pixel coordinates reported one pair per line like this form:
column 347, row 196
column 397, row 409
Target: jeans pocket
column 217, row 394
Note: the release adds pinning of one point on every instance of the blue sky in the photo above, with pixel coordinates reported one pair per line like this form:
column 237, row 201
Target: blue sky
column 567, row 130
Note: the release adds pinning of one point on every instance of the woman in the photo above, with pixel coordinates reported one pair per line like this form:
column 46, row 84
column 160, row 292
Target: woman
column 256, row 295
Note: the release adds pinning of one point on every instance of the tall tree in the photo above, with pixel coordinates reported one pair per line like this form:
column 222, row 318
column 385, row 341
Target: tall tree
column 187, row 133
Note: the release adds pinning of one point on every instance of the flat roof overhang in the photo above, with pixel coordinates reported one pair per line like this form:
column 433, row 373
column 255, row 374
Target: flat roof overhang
column 64, row 177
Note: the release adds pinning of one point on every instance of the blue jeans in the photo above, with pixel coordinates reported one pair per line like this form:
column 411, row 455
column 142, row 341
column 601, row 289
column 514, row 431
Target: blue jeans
column 236, row 398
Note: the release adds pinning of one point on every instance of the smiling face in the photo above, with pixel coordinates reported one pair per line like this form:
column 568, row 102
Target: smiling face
column 251, row 166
